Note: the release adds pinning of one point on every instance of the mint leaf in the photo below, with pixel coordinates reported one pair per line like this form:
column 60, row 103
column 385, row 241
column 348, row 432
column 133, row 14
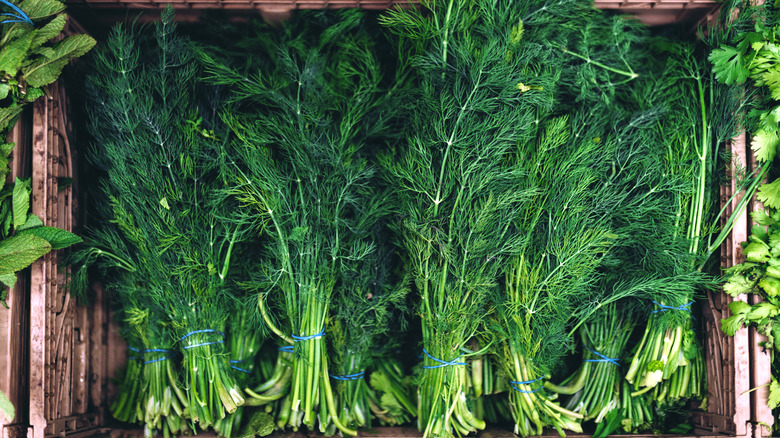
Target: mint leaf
column 56, row 237
column 18, row 252
column 46, row 70
column 37, row 9
column 13, row 53
column 32, row 221
column 729, row 65
column 49, row 31
column 21, row 201
column 8, row 279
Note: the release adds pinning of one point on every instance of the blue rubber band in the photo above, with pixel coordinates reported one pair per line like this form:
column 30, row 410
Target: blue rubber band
column 132, row 358
column 157, row 360
column 603, row 358
column 287, row 349
column 356, row 376
column 157, row 350
column 202, row 331
column 240, row 369
column 203, row 344
column 307, row 338
column 134, row 349
column 514, row 383
column 20, row 16
column 239, row 361
column 664, row 308
column 441, row 362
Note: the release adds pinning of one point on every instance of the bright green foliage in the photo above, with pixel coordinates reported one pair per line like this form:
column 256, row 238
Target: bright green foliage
column 6, row 409
column 28, row 61
column 303, row 115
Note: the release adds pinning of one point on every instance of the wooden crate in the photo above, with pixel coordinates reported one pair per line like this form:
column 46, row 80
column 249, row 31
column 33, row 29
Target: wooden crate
column 57, row 358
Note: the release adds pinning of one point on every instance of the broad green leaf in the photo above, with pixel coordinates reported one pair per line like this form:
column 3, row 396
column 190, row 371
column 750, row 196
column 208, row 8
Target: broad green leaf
column 8, row 115
column 732, row 324
column 769, row 194
column 21, row 201
column 757, row 252
column 32, row 221
column 45, row 71
column 762, row 311
column 738, row 284
column 770, row 285
column 56, row 237
column 729, row 65
column 738, row 307
column 774, row 394
column 46, row 52
column 758, row 234
column 259, row 424
column 764, row 144
column 33, row 94
column 37, row 9
column 6, row 409
column 18, row 252
column 5, row 149
column 13, row 54
column 773, row 271
column 8, row 279
column 4, row 89
column 49, row 31
column 772, row 80
column 762, row 218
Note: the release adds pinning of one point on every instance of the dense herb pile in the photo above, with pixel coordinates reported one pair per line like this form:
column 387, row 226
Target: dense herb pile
column 543, row 197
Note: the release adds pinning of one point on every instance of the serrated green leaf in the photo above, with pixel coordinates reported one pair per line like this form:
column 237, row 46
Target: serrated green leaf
column 37, row 9
column 6, row 149
column 45, row 71
column 772, row 271
column 761, row 217
column 21, row 201
column 729, row 65
column 8, row 279
column 32, row 221
column 4, row 89
column 6, row 409
column 33, row 94
column 774, row 394
column 771, row 79
column 14, row 52
column 769, row 194
column 8, row 115
column 739, row 307
column 757, row 252
column 732, row 324
column 56, row 237
column 259, row 424
column 46, row 52
column 764, row 144
column 770, row 285
column 761, row 311
column 18, row 252
column 49, row 31
column 738, row 284
column 759, row 234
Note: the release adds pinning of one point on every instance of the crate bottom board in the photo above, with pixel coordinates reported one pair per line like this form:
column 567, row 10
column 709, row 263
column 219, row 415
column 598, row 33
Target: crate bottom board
column 383, row 432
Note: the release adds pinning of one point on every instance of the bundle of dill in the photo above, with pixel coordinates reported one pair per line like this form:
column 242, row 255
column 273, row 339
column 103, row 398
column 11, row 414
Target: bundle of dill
column 168, row 230
column 299, row 166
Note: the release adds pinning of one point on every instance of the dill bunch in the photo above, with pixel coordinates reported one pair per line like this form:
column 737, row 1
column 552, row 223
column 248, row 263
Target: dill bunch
column 301, row 128
column 159, row 142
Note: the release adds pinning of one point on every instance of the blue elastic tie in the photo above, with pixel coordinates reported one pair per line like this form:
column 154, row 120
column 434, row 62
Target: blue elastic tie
column 356, row 376
column 132, row 358
column 307, row 338
column 202, row 344
column 442, row 362
column 134, row 349
column 287, row 349
column 157, row 350
column 514, row 383
column 202, row 331
column 157, row 360
column 20, row 16
column 239, row 361
column 603, row 358
column 664, row 308
column 240, row 369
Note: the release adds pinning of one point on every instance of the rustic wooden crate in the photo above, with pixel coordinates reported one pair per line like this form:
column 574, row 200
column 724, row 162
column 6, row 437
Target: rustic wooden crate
column 57, row 358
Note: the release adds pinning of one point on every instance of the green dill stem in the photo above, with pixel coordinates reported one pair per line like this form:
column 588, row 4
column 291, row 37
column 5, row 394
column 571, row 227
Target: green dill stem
column 630, row 74
column 269, row 323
